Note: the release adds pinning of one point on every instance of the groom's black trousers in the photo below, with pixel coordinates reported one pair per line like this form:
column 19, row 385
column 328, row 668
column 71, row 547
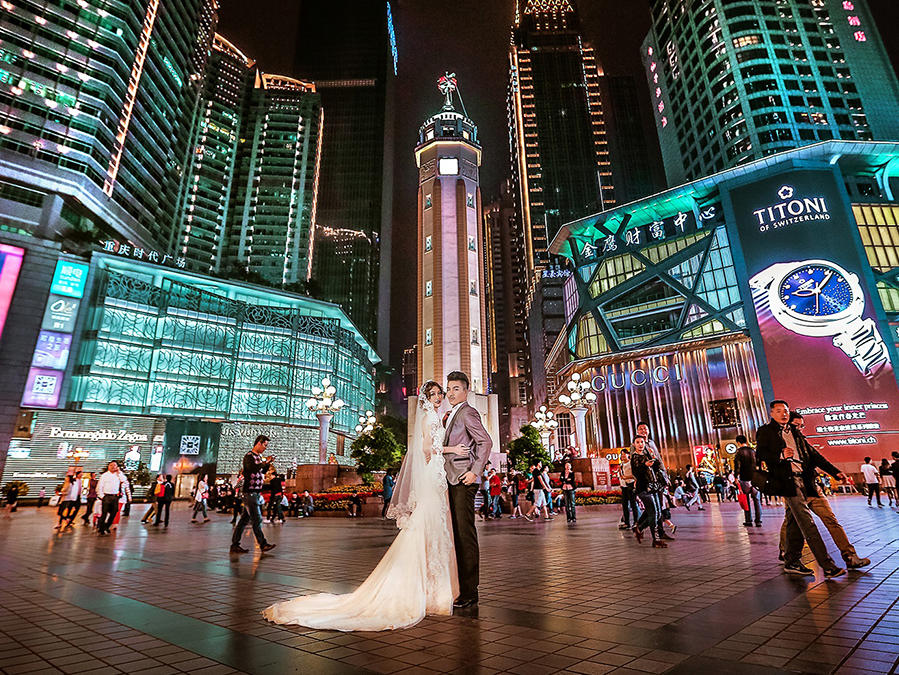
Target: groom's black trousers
column 465, row 535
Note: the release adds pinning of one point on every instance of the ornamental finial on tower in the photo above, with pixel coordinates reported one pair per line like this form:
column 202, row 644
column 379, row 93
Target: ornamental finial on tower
column 447, row 85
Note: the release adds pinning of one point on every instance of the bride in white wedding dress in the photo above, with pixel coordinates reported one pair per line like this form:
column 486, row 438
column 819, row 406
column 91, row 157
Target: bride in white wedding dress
column 417, row 576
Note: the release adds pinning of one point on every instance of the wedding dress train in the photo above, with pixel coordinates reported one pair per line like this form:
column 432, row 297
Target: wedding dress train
column 417, row 575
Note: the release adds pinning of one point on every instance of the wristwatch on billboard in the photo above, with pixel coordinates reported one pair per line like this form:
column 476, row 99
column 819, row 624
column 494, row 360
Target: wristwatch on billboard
column 819, row 298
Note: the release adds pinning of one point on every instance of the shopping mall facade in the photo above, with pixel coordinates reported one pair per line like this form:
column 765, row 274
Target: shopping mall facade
column 144, row 362
column 692, row 308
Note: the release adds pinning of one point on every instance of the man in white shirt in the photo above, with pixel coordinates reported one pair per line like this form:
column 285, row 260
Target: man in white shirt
column 108, row 490
column 872, row 481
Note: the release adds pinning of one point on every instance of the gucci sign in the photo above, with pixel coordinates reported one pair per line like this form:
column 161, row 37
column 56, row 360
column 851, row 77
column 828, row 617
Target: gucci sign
column 635, row 377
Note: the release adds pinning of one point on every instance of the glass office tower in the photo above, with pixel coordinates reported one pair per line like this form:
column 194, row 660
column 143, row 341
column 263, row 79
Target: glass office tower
column 96, row 107
column 348, row 49
column 737, row 80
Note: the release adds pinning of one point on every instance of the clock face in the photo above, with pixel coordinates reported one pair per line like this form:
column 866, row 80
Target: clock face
column 816, row 290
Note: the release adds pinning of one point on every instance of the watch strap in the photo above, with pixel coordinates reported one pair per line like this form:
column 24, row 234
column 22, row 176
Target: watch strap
column 861, row 342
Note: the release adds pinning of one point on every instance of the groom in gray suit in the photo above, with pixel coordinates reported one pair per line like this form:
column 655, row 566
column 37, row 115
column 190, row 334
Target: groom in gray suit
column 465, row 431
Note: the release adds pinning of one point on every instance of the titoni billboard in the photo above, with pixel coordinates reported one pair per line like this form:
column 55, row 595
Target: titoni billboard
column 819, row 325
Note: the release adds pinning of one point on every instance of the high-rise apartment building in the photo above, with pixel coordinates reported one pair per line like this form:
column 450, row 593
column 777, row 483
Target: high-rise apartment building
column 736, row 80
column 452, row 326
column 348, row 49
column 506, row 282
column 276, row 181
column 410, row 371
column 97, row 101
column 200, row 236
column 560, row 155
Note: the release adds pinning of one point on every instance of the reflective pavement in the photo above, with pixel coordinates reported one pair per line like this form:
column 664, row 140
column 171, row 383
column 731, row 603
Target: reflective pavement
column 554, row 598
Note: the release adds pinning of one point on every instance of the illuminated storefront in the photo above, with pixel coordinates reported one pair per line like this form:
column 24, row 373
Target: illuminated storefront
column 180, row 371
column 780, row 278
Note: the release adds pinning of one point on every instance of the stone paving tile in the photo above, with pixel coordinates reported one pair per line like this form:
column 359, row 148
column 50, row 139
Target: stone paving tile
column 585, row 599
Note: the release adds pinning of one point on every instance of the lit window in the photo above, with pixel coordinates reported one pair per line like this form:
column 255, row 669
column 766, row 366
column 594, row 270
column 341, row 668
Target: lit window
column 428, row 339
column 427, row 243
column 428, row 289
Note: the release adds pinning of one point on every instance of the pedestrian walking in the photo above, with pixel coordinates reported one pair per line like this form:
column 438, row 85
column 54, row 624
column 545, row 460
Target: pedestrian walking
column 745, row 467
column 91, row 498
column 109, row 491
column 387, row 486
column 568, row 486
column 648, row 488
column 43, row 495
column 887, row 482
column 791, row 462
column 157, row 489
column 164, row 501
column 201, row 494
column 693, row 486
column 872, row 481
column 69, row 501
column 254, row 469
column 628, row 495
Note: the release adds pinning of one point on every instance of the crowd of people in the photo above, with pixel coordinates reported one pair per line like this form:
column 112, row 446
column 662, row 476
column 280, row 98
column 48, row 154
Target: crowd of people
column 784, row 469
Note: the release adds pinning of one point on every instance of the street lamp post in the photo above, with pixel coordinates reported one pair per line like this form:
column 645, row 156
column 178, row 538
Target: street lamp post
column 325, row 405
column 366, row 422
column 545, row 424
column 578, row 394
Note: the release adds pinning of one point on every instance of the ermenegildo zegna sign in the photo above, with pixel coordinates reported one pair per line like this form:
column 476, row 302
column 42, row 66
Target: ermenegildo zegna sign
column 819, row 323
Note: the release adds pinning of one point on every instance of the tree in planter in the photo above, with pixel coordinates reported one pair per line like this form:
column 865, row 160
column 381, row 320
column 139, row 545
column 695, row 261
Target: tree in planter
column 527, row 450
column 376, row 450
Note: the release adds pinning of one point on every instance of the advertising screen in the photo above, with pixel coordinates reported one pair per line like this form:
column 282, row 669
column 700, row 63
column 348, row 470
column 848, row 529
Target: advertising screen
column 42, row 388
column 10, row 265
column 828, row 352
column 69, row 279
column 52, row 350
column 60, row 314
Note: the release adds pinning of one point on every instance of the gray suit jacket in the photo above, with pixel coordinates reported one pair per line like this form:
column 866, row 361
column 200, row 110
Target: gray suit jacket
column 466, row 428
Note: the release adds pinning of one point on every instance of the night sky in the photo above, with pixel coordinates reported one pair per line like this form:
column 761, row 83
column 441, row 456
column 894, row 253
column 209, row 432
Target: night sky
column 469, row 37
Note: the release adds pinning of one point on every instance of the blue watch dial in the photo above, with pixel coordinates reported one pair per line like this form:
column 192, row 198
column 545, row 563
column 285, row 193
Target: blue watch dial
column 816, row 290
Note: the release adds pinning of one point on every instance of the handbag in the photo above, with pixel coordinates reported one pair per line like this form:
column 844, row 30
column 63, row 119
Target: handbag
column 760, row 479
column 743, row 499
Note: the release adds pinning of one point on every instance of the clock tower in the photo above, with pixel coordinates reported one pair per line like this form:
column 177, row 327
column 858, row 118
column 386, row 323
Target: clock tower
column 451, row 303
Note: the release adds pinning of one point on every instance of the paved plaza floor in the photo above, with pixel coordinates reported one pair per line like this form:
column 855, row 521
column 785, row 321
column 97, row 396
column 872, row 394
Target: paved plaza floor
column 554, row 598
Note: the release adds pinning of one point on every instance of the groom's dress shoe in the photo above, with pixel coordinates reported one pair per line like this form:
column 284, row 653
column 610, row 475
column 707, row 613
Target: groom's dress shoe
column 465, row 604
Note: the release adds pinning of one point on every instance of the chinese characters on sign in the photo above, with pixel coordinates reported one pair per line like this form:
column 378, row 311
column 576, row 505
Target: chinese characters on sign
column 657, row 231
column 659, row 100
column 54, row 342
column 140, row 253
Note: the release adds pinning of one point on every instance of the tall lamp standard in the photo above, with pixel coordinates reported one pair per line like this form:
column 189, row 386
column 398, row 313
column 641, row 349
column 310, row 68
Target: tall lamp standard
column 324, row 404
column 366, row 422
column 545, row 424
column 578, row 395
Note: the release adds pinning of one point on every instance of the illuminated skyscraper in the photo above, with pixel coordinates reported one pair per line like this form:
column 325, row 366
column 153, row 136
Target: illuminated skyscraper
column 560, row 155
column 206, row 194
column 734, row 81
column 96, row 107
column 276, row 181
column 506, row 284
column 342, row 266
column 451, row 314
column 348, row 48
